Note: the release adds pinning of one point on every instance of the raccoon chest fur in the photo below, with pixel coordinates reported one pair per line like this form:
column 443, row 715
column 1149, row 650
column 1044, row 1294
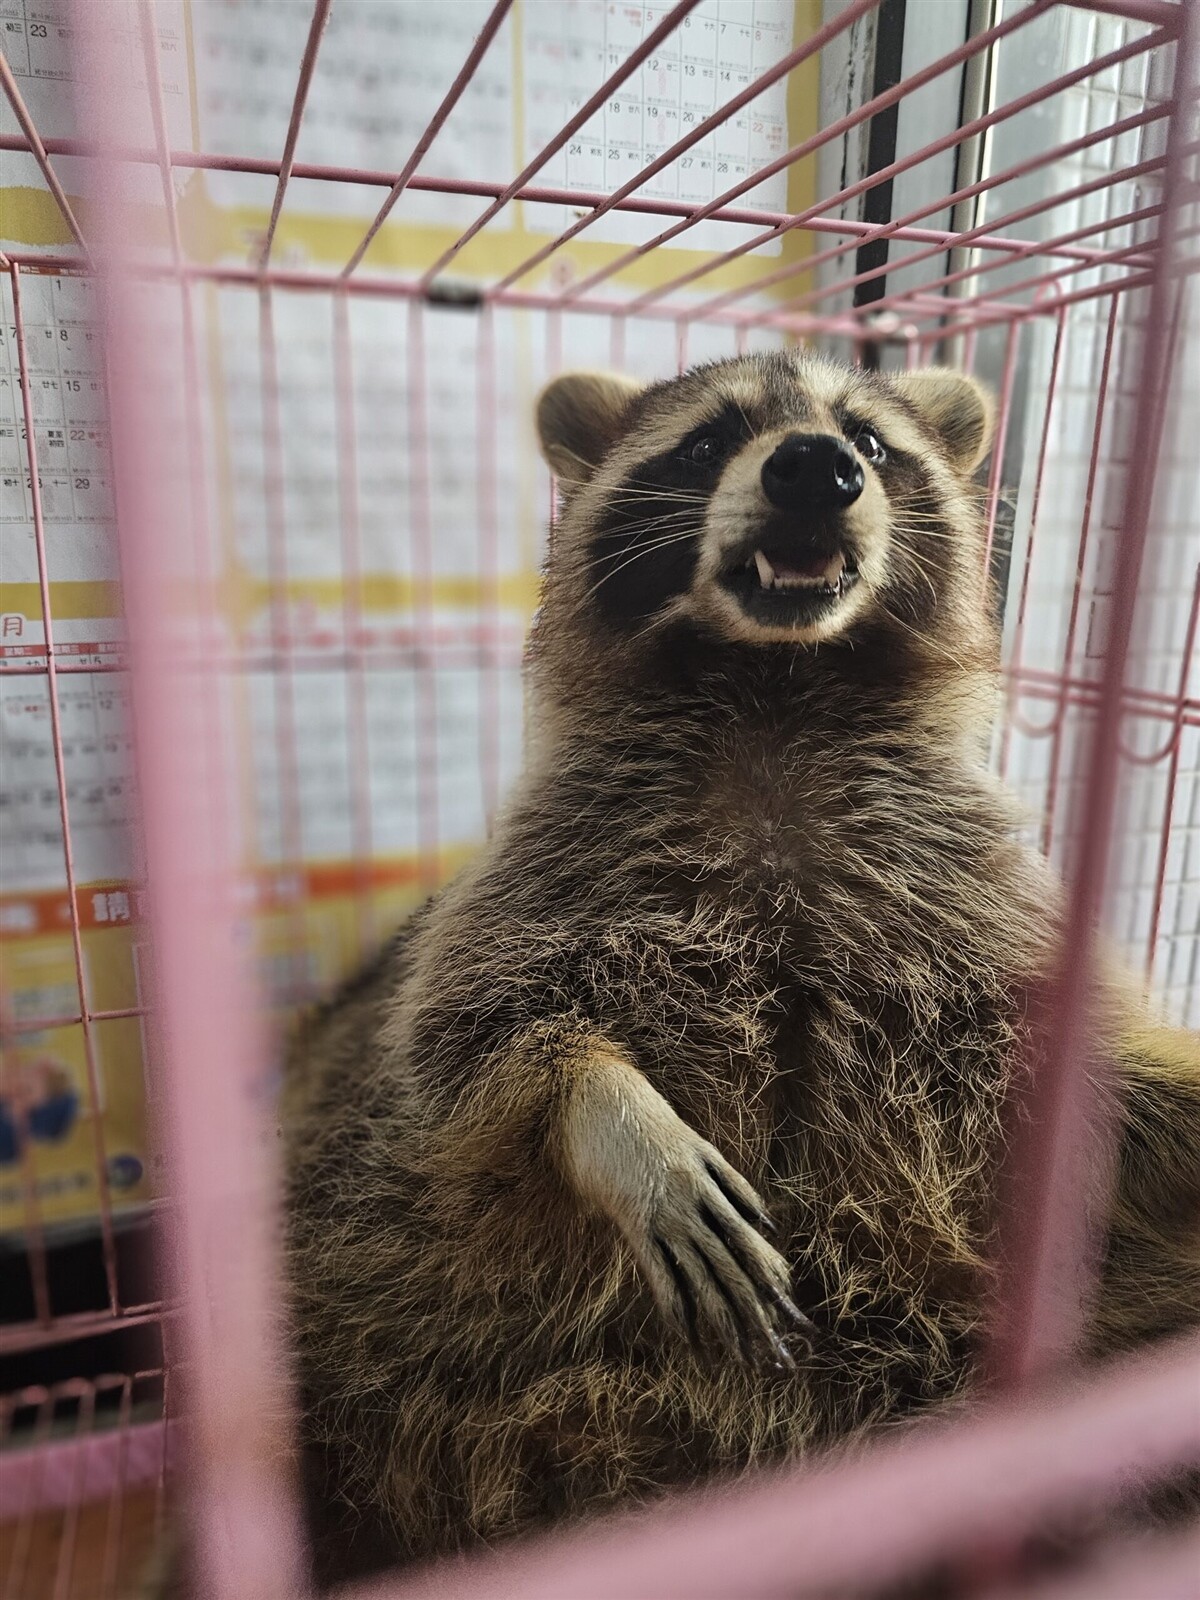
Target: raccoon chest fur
column 866, row 870
column 771, row 831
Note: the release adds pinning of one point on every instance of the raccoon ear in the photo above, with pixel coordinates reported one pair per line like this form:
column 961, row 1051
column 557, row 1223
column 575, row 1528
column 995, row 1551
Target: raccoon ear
column 580, row 416
column 958, row 409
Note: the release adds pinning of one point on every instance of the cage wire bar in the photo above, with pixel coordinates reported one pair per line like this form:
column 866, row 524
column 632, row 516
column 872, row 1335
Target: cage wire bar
column 1044, row 1442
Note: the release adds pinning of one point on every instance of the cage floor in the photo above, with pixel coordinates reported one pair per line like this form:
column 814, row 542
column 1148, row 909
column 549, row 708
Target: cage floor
column 106, row 1559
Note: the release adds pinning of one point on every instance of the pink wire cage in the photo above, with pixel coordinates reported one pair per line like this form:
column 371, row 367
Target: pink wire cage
column 1064, row 275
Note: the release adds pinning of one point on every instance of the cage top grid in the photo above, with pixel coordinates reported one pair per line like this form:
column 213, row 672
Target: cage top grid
column 946, row 302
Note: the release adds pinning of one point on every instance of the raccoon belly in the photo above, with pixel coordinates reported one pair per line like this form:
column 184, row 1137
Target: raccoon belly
column 475, row 1462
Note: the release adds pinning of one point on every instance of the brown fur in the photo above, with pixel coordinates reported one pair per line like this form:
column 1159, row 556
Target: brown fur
column 756, row 917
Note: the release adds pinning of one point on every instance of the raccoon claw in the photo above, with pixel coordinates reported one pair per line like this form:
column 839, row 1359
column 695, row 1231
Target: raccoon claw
column 802, row 1325
column 785, row 1361
column 740, row 1195
column 712, row 1271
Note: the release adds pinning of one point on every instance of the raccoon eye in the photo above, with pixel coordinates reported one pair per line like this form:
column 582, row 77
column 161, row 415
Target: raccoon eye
column 870, row 446
column 705, row 451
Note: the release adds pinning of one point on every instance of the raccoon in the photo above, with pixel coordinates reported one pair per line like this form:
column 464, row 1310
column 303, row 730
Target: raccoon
column 663, row 1143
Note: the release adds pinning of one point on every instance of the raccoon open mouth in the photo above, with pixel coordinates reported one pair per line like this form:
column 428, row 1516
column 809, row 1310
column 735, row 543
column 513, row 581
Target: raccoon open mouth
column 790, row 590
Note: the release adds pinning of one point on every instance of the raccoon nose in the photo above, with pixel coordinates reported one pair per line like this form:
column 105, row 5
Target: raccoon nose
column 812, row 472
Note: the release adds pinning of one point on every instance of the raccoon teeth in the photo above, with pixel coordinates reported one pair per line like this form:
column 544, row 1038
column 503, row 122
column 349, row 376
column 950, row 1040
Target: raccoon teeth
column 827, row 577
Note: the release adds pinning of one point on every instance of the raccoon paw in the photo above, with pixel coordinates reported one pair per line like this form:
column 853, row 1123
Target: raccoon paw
column 694, row 1224
column 712, row 1270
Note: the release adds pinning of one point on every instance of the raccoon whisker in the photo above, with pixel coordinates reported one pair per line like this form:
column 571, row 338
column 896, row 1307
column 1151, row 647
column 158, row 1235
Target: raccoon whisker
column 918, row 500
column 655, row 486
column 915, row 515
column 643, row 550
column 653, row 493
column 667, row 527
column 657, row 620
column 900, row 528
column 903, row 532
column 680, row 536
column 920, row 566
column 575, row 456
column 927, row 580
column 653, row 500
column 922, row 637
column 742, row 414
column 650, row 484
column 646, row 546
column 647, row 498
column 652, row 518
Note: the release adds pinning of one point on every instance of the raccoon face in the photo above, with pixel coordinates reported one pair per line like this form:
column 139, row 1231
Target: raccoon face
column 771, row 499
